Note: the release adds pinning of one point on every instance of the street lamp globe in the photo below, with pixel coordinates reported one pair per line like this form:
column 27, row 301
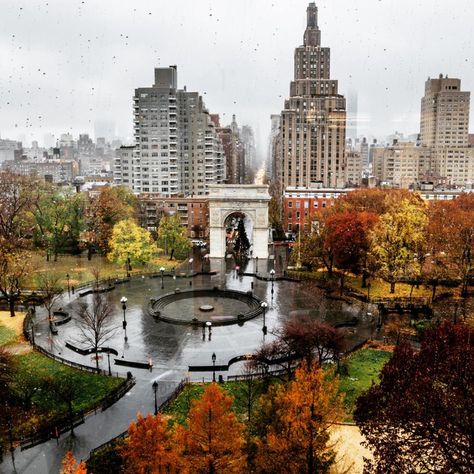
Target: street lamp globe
column 123, row 300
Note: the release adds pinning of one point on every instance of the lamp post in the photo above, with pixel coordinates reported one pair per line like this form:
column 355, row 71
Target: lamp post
column 209, row 326
column 213, row 366
column 155, row 389
column 191, row 260
column 124, row 300
column 264, row 306
column 162, row 270
column 256, row 264
column 108, row 358
column 68, row 285
column 272, row 274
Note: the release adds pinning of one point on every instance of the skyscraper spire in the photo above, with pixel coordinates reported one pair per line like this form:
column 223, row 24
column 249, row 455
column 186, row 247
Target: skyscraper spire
column 312, row 35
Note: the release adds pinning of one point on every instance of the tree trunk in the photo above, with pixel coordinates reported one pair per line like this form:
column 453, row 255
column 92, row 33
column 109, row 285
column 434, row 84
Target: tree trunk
column 89, row 253
column 172, row 254
column 364, row 279
column 433, row 293
column 342, row 283
column 392, row 287
column 11, row 306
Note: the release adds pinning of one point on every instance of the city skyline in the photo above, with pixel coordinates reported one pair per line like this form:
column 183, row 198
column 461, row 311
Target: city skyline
column 70, row 65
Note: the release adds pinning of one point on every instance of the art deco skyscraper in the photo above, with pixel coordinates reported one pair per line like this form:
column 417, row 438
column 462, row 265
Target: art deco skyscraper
column 313, row 122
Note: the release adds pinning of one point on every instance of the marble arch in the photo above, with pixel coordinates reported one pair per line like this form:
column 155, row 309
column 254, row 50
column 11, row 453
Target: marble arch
column 249, row 199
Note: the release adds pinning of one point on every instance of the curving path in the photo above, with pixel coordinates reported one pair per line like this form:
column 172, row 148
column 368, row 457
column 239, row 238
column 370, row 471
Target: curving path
column 170, row 348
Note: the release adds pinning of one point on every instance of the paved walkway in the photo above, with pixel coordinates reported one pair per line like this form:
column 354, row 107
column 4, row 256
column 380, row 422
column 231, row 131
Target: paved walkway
column 97, row 429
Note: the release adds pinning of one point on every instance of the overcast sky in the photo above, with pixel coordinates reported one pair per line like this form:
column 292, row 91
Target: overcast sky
column 67, row 63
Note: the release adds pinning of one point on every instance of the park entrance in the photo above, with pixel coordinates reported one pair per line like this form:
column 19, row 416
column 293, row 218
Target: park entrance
column 238, row 220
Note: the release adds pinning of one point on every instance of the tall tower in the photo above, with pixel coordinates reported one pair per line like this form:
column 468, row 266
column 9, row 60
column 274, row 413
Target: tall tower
column 313, row 121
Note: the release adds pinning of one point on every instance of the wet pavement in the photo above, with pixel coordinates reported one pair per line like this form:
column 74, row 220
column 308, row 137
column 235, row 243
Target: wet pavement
column 172, row 348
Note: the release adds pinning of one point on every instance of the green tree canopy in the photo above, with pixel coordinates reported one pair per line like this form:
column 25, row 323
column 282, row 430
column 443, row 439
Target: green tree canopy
column 129, row 241
column 172, row 237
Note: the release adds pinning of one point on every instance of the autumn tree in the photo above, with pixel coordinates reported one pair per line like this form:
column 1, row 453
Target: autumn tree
column 102, row 212
column 59, row 220
column 296, row 439
column 130, row 243
column 65, row 390
column 69, row 465
column 396, row 242
column 347, row 234
column 96, row 323
column 172, row 237
column 314, row 248
column 50, row 289
column 419, row 418
column 212, row 441
column 451, row 240
column 303, row 338
column 274, row 210
column 375, row 200
column 18, row 195
column 149, row 448
column 15, row 265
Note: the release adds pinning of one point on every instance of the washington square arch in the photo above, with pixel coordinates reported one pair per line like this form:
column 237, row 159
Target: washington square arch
column 231, row 206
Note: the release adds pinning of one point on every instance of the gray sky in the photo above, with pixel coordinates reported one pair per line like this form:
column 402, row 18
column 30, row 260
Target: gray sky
column 67, row 63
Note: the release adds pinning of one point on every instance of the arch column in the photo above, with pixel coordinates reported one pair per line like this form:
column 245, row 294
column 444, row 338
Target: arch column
column 252, row 200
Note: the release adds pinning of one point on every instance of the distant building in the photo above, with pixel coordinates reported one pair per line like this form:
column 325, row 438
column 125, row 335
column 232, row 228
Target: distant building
column 10, row 150
column 193, row 212
column 442, row 153
column 53, row 171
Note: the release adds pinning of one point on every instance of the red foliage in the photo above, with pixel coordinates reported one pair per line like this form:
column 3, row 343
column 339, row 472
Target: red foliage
column 420, row 417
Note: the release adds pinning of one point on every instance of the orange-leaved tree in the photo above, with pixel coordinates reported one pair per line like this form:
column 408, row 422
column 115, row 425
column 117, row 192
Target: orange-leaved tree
column 149, row 448
column 69, row 465
column 297, row 436
column 213, row 439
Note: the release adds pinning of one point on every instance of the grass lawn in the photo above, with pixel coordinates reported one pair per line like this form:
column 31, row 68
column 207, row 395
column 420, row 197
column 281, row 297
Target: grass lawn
column 378, row 287
column 30, row 370
column 89, row 388
column 7, row 335
column 80, row 269
column 238, row 389
column 364, row 366
column 11, row 328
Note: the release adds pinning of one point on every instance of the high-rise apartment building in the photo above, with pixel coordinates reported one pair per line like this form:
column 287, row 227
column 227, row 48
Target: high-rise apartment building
column 177, row 150
column 313, row 122
column 445, row 129
column 444, row 113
